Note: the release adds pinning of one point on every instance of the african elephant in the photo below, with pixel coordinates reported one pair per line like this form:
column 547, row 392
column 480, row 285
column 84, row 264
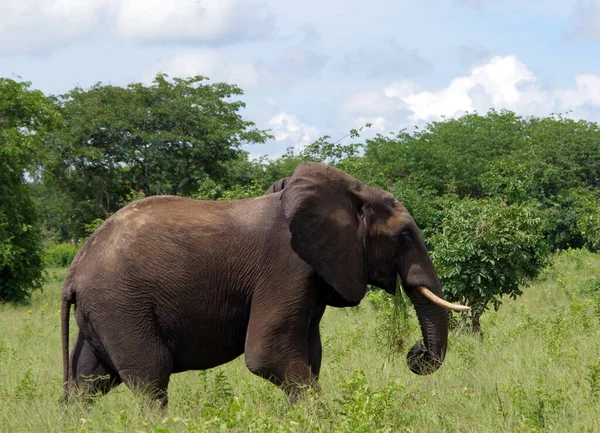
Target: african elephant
column 168, row 284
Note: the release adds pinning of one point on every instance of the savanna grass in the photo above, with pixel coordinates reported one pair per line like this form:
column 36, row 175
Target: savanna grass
column 536, row 369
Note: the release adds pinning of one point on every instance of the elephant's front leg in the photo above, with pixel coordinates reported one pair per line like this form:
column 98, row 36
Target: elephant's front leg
column 277, row 346
column 315, row 350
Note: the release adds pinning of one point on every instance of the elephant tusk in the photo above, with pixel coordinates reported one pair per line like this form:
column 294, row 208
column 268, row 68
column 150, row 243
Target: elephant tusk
column 439, row 301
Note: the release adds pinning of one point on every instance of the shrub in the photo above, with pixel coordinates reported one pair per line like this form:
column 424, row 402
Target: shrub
column 60, row 255
column 486, row 250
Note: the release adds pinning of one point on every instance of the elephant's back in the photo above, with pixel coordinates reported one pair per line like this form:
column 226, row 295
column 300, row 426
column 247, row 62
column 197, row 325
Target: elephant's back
column 173, row 244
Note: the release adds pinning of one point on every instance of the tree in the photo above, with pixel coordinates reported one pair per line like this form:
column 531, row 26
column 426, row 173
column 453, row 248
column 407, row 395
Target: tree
column 165, row 138
column 449, row 156
column 25, row 116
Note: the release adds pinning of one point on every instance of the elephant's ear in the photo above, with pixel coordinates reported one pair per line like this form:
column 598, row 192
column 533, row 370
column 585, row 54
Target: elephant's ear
column 323, row 209
column 278, row 185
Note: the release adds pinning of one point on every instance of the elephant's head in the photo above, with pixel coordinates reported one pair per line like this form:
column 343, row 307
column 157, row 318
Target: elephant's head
column 353, row 235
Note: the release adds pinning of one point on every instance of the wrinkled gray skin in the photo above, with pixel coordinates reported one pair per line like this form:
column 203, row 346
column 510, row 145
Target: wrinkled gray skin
column 169, row 284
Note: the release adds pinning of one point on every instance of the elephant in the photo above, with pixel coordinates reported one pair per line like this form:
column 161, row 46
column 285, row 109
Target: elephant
column 169, row 284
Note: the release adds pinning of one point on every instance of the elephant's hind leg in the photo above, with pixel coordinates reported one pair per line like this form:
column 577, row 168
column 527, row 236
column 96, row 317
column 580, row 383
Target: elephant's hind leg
column 89, row 376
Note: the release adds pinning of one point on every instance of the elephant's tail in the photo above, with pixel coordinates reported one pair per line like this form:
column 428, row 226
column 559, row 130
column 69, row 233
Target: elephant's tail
column 65, row 313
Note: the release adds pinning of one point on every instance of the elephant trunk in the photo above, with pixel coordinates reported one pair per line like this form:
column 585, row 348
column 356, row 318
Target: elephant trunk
column 427, row 356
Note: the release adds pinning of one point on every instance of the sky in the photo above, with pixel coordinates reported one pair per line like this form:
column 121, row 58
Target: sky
column 314, row 68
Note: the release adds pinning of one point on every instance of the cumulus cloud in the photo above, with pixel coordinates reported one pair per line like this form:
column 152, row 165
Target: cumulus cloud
column 207, row 21
column 289, row 130
column 585, row 19
column 214, row 65
column 387, row 59
column 299, row 59
column 585, row 93
column 32, row 25
column 501, row 83
column 380, row 107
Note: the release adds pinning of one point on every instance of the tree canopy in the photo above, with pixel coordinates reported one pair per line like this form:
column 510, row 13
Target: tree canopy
column 164, row 138
column 493, row 193
column 25, row 117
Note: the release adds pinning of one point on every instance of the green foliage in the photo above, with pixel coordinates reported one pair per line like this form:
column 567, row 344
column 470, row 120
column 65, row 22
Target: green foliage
column 339, row 153
column 571, row 145
column 449, row 156
column 25, row 116
column 60, row 255
column 587, row 208
column 165, row 138
column 519, row 178
column 394, row 323
column 366, row 410
column 573, row 219
column 487, row 249
column 426, row 208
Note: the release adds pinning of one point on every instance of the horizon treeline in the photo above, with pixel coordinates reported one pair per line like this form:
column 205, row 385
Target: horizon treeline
column 494, row 194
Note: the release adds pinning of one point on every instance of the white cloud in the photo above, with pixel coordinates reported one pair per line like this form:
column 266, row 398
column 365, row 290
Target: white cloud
column 288, row 129
column 295, row 62
column 497, row 84
column 382, row 108
column 31, row 25
column 207, row 21
column 369, row 103
column 502, row 83
column 586, row 92
column 214, row 65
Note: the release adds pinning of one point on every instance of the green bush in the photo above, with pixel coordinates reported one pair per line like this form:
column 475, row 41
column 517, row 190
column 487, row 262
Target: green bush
column 60, row 255
column 588, row 222
column 25, row 116
column 20, row 239
column 487, row 249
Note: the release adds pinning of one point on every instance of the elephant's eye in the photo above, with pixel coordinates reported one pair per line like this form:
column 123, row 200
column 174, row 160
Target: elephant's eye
column 405, row 235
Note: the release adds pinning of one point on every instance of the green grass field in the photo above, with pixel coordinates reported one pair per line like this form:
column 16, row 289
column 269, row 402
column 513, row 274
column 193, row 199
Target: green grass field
column 536, row 369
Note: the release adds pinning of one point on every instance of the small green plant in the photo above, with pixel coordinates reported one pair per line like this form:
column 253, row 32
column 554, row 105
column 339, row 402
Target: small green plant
column 365, row 410
column 594, row 379
column 393, row 322
column 60, row 255
column 27, row 387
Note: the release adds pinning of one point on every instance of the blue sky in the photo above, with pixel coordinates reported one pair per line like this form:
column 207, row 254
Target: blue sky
column 312, row 68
